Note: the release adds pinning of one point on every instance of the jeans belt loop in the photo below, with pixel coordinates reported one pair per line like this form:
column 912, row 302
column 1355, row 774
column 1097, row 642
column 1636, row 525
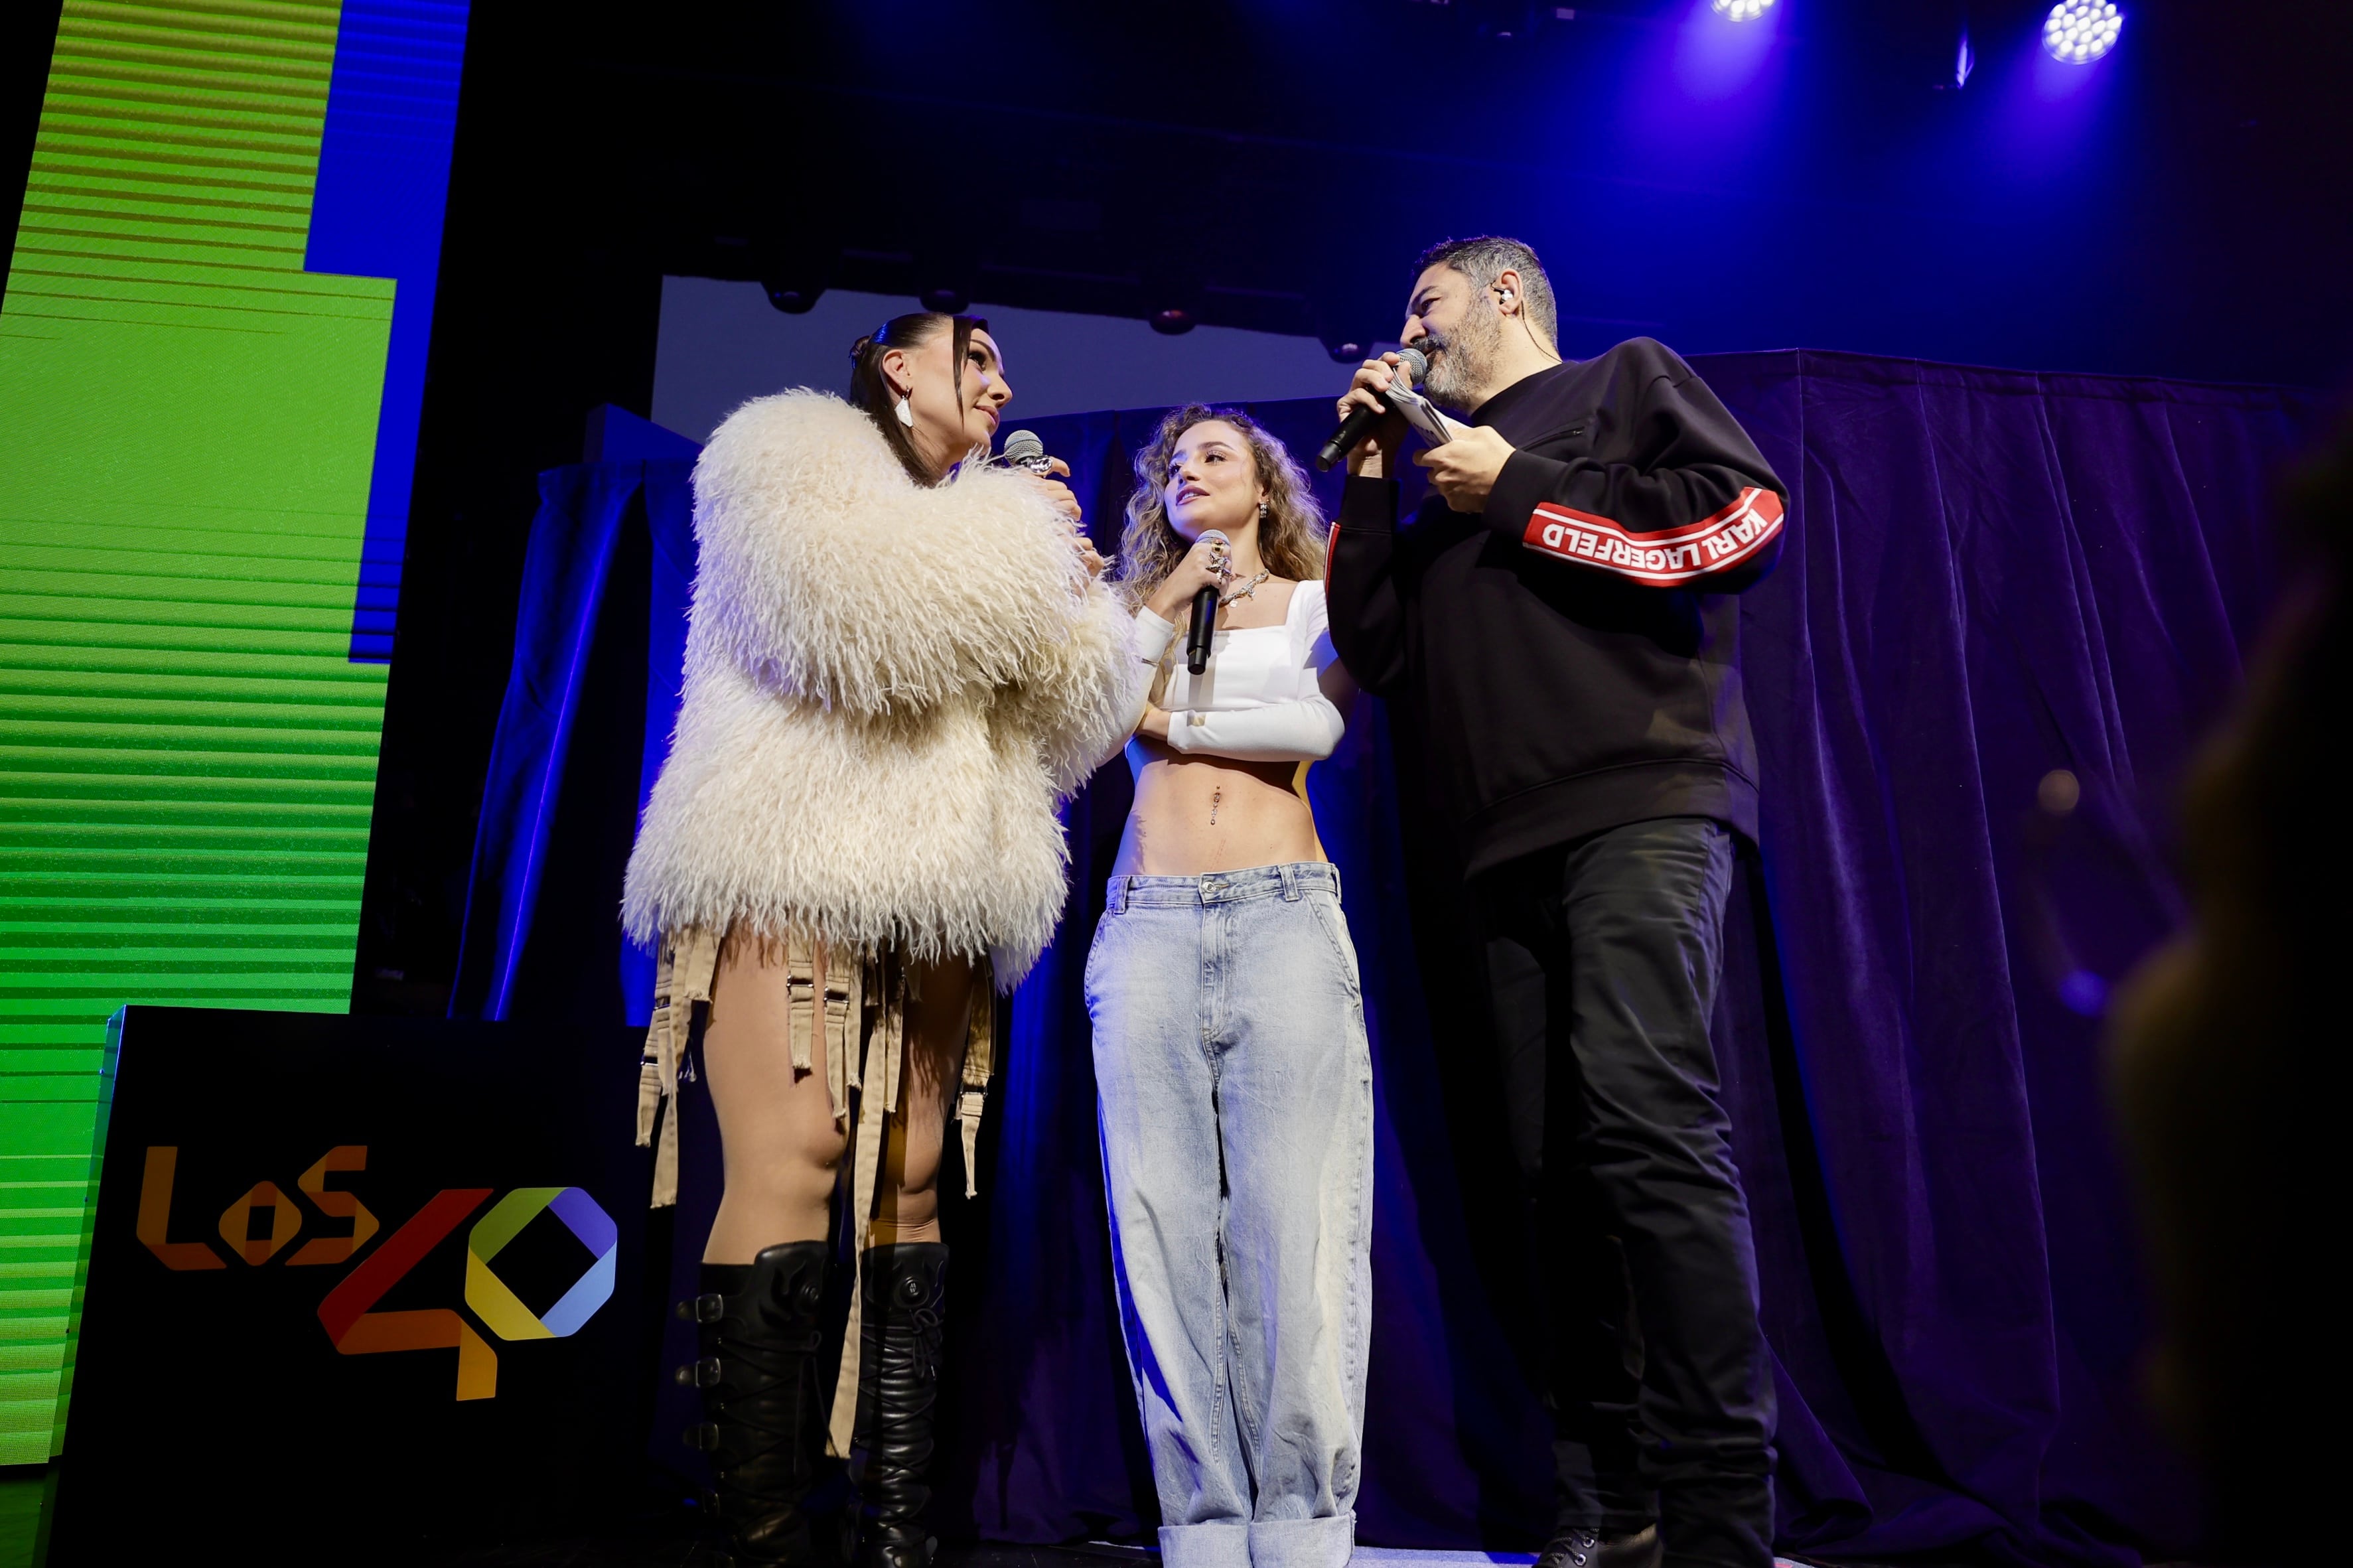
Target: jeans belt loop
column 1290, row 883
column 1335, row 882
column 1119, row 895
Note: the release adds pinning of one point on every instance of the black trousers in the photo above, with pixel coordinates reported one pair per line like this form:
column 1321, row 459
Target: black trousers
column 1603, row 957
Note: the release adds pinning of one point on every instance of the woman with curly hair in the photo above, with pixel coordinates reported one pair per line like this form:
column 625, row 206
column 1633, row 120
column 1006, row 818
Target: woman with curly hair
column 899, row 660
column 1234, row 1080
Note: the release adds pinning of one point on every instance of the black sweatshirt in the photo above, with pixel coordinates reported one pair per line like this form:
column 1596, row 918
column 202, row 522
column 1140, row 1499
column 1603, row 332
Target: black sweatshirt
column 1574, row 651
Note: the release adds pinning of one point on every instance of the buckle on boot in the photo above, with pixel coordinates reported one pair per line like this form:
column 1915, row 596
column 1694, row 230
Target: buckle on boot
column 700, row 1373
column 705, row 1308
column 705, row 1438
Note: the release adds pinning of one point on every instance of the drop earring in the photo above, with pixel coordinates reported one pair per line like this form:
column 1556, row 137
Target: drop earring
column 1262, row 512
column 906, row 411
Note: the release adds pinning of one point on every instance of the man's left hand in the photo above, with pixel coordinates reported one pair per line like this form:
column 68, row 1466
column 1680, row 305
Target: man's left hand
column 1464, row 470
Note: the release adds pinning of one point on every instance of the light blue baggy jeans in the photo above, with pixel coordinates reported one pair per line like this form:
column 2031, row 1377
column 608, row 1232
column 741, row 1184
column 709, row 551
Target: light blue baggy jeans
column 1236, row 1092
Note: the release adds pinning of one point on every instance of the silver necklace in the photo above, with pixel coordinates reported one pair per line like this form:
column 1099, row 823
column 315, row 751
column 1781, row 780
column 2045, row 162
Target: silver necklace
column 1247, row 591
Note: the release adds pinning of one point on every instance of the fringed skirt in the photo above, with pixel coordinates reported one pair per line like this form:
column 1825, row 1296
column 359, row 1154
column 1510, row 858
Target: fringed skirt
column 863, row 1014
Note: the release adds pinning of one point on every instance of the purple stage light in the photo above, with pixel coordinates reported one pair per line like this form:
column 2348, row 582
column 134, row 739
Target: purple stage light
column 2084, row 993
column 1741, row 10
column 2078, row 32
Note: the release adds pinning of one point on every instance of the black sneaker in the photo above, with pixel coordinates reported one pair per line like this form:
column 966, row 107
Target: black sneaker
column 1587, row 1549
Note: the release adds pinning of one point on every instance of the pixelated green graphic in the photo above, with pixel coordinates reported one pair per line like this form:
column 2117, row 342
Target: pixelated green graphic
column 186, row 756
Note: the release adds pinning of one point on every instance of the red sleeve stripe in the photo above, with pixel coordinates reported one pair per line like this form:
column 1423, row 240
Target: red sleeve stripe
column 1667, row 556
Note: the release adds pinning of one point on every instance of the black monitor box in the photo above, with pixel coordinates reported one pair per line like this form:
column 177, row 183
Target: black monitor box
column 359, row 1285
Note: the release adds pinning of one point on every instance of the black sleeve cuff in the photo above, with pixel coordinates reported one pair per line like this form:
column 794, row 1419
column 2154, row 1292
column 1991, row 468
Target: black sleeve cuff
column 1368, row 505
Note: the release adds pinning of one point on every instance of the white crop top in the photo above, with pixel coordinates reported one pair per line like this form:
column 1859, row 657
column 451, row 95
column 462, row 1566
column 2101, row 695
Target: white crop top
column 1263, row 696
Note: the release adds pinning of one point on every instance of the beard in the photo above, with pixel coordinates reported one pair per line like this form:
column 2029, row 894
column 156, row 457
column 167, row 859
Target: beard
column 1466, row 359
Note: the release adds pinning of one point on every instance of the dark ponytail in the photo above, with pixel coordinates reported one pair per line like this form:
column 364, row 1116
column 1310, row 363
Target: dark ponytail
column 870, row 391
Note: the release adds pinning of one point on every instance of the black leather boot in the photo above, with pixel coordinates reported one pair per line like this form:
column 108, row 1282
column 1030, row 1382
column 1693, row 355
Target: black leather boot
column 764, row 1421
column 1591, row 1549
column 903, row 1315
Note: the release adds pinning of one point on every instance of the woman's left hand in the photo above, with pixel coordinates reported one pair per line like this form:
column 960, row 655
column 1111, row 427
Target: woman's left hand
column 1055, row 490
column 1155, row 726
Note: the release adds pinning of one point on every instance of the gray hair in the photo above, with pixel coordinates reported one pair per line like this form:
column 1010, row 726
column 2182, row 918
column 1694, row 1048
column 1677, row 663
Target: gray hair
column 1484, row 258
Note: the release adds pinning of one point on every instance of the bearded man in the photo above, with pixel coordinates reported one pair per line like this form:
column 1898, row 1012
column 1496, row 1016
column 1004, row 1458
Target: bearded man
column 1560, row 609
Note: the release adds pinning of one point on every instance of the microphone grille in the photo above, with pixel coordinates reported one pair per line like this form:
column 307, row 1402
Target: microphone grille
column 1415, row 363
column 1022, row 447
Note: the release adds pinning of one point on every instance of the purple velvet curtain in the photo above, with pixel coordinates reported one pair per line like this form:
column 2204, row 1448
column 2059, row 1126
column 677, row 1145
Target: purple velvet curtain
column 1992, row 578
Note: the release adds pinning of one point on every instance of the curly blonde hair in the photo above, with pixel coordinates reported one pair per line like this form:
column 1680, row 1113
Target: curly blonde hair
column 1290, row 538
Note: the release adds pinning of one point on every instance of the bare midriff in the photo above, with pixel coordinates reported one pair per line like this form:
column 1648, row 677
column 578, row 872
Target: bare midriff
column 1195, row 815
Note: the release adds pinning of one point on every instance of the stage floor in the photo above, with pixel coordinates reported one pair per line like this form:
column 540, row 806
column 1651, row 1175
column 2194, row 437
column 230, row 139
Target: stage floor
column 26, row 1492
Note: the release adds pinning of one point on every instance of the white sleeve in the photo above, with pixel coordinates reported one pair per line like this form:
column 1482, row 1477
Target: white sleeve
column 1307, row 730
column 1153, row 636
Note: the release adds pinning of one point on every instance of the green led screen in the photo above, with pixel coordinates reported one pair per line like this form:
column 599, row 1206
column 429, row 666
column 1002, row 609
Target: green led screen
column 187, row 749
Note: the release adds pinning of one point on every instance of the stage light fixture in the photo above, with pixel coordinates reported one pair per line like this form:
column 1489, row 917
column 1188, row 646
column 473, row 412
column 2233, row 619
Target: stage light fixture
column 1349, row 322
column 796, row 297
column 795, row 263
column 1741, row 10
column 946, row 267
column 1173, row 291
column 2078, row 32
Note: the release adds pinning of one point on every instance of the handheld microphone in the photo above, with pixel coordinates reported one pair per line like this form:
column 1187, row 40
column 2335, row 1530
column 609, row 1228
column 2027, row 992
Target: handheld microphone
column 1413, row 364
column 1023, row 449
column 1204, row 624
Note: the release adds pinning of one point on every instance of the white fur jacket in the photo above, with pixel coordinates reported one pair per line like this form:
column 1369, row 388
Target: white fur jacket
column 888, row 690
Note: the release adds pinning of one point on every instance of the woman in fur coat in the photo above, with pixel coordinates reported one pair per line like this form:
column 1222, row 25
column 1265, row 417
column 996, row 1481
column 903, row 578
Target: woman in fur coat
column 899, row 660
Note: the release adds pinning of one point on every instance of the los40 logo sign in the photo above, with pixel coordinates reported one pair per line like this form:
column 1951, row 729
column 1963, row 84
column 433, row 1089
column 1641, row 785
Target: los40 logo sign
column 348, row 1312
